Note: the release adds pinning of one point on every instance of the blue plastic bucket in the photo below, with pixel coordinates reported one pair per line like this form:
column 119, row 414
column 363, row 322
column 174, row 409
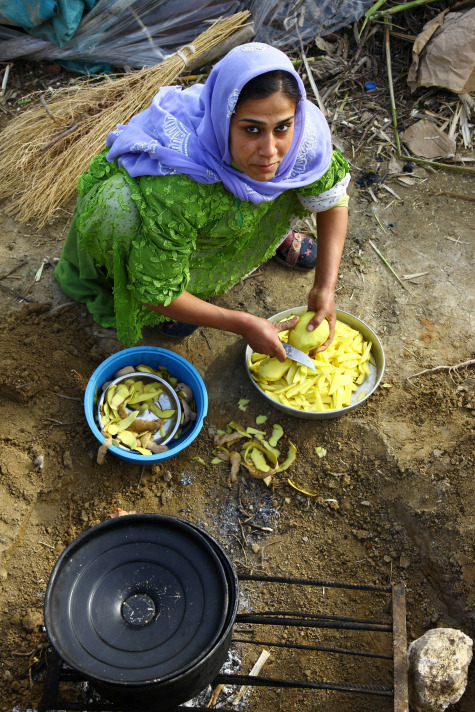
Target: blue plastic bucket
column 176, row 366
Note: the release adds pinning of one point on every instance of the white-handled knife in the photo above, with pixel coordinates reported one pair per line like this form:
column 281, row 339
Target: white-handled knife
column 299, row 356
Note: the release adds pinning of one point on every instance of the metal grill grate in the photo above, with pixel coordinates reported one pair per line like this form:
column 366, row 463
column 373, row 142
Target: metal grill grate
column 286, row 623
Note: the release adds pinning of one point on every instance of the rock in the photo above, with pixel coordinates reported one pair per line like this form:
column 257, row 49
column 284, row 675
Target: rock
column 404, row 562
column 39, row 462
column 3, row 575
column 361, row 534
column 256, row 548
column 32, row 621
column 67, row 459
column 437, row 669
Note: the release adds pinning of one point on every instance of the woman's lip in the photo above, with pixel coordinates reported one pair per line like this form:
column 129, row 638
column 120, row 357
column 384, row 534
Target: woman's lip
column 268, row 167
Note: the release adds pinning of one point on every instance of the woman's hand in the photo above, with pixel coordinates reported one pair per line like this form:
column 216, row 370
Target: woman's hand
column 263, row 336
column 331, row 229
column 322, row 302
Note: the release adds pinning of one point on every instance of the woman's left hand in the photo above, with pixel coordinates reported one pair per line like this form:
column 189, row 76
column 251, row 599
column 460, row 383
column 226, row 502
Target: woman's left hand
column 322, row 302
column 331, row 228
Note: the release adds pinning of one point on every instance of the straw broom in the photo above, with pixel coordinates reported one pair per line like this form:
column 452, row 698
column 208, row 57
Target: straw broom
column 45, row 149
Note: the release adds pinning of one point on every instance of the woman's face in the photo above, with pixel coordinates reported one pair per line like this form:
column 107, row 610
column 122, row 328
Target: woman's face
column 260, row 134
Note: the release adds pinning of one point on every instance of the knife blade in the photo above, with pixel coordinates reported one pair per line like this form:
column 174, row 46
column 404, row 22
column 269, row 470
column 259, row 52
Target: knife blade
column 299, row 356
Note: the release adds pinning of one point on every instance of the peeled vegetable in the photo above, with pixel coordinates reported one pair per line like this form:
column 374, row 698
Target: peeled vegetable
column 340, row 369
column 272, row 369
column 305, row 340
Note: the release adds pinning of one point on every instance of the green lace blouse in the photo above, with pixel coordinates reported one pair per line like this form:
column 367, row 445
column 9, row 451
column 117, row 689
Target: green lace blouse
column 149, row 239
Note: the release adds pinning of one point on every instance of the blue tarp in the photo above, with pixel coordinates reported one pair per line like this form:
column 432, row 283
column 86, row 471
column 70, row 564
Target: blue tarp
column 55, row 21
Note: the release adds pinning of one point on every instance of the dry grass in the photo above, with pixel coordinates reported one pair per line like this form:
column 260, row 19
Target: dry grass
column 45, row 149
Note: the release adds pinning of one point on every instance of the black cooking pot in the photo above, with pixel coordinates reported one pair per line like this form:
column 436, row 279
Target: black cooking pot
column 143, row 606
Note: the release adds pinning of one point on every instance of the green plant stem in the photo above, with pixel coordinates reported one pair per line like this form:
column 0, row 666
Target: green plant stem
column 400, row 8
column 390, row 268
column 370, row 12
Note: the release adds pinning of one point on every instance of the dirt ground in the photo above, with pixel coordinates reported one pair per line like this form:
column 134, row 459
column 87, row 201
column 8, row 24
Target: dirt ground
column 395, row 489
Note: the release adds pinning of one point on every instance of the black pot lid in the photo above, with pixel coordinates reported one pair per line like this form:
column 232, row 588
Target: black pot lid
column 137, row 599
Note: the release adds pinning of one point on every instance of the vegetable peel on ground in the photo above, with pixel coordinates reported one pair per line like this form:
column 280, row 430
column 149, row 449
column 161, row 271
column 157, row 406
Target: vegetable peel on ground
column 290, row 459
column 257, row 455
column 277, row 432
column 101, row 453
column 228, row 438
column 254, row 452
column 235, row 460
column 302, row 491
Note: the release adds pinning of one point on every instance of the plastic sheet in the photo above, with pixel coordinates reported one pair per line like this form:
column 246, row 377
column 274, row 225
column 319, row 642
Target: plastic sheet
column 287, row 23
column 139, row 33
column 53, row 20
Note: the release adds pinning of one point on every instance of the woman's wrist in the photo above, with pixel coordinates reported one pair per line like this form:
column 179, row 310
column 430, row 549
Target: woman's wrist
column 237, row 322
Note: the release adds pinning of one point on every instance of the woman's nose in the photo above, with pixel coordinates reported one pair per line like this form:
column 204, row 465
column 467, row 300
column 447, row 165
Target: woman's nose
column 267, row 145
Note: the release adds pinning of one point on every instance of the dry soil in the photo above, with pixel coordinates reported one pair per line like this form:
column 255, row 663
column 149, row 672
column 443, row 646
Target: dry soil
column 395, row 499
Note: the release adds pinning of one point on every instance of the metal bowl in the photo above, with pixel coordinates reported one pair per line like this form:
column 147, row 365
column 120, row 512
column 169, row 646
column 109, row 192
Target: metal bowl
column 167, row 399
column 369, row 386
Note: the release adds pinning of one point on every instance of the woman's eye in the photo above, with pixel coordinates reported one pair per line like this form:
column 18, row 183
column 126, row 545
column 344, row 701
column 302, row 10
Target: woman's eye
column 251, row 129
column 282, row 128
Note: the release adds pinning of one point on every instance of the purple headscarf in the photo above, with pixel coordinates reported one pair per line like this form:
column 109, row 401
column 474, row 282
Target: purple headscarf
column 187, row 131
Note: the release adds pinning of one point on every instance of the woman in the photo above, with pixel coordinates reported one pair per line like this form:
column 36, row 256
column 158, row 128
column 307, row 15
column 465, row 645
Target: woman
column 200, row 189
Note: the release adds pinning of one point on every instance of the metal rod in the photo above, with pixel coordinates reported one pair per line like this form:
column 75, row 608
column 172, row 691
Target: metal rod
column 322, row 616
column 315, row 582
column 401, row 694
column 321, row 648
column 51, row 686
column 264, row 620
column 273, row 682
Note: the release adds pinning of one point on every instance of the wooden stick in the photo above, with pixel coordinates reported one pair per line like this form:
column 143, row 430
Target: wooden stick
column 68, row 131
column 254, row 672
column 456, row 195
column 16, row 294
column 464, row 364
column 47, row 109
column 14, row 269
column 214, row 696
column 313, row 85
column 5, row 79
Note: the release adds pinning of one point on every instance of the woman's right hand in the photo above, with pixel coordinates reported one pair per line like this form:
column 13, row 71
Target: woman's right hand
column 263, row 335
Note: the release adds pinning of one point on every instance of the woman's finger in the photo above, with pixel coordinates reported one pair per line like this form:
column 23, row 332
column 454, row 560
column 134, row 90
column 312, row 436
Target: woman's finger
column 279, row 353
column 288, row 324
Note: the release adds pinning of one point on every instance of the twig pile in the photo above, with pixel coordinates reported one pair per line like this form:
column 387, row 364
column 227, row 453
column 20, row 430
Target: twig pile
column 45, row 149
